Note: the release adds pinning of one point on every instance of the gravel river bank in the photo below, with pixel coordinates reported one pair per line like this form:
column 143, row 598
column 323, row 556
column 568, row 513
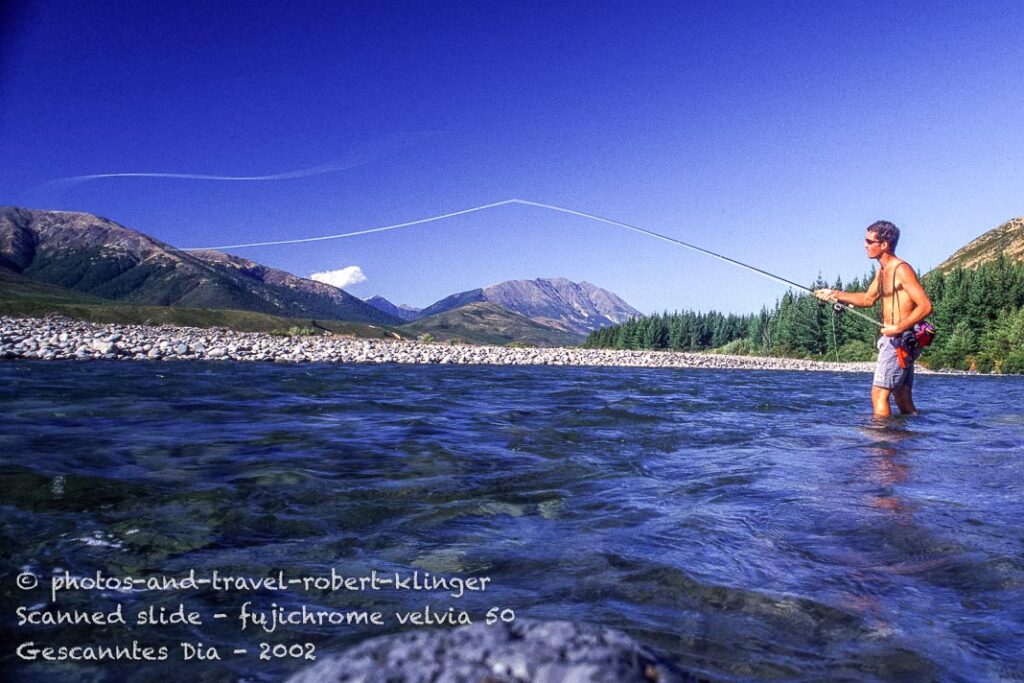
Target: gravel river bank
column 58, row 338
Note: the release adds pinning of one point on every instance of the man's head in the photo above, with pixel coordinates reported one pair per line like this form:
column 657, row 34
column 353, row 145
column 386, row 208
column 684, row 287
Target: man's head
column 881, row 237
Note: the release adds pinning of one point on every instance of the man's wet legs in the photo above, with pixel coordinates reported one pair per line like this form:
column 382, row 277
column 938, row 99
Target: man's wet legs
column 880, row 401
column 905, row 400
column 902, row 395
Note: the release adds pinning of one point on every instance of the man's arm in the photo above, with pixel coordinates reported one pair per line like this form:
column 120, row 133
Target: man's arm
column 922, row 304
column 858, row 299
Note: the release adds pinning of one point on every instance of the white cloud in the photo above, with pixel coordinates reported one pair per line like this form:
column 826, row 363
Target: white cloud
column 346, row 277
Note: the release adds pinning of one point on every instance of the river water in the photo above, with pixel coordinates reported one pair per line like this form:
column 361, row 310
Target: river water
column 754, row 525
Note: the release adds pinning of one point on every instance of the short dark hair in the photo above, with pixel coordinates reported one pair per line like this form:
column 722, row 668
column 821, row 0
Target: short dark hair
column 886, row 232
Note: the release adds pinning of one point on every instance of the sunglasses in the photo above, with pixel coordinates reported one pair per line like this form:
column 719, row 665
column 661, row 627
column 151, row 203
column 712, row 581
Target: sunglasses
column 867, row 241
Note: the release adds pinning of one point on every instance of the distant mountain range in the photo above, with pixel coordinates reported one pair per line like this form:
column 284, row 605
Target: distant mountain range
column 96, row 256
column 1007, row 239
column 75, row 254
column 577, row 309
column 400, row 311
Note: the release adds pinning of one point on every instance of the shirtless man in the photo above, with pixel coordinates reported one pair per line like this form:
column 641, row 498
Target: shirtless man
column 904, row 304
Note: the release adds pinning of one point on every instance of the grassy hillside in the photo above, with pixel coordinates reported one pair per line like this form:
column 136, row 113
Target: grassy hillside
column 1007, row 240
column 486, row 323
column 23, row 297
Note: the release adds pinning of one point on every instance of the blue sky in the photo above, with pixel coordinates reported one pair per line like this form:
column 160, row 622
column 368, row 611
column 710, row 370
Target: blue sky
column 771, row 132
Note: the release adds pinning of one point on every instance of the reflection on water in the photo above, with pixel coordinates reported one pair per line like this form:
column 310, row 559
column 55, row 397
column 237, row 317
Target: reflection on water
column 754, row 524
column 888, row 463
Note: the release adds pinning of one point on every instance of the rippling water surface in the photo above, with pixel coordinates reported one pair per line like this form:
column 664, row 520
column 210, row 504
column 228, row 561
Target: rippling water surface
column 757, row 525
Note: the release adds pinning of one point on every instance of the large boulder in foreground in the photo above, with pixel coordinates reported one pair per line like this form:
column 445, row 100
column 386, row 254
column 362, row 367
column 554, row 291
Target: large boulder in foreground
column 525, row 650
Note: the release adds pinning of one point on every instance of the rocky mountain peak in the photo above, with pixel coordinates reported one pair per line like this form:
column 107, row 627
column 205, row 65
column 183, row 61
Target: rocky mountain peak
column 401, row 310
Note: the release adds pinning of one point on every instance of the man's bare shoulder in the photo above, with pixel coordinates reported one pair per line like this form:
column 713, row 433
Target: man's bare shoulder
column 904, row 274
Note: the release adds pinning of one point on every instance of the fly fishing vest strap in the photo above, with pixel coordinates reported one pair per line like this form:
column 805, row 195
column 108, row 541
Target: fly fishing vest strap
column 895, row 296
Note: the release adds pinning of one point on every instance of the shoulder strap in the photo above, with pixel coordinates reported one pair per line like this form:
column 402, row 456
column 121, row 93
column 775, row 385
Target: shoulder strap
column 896, row 294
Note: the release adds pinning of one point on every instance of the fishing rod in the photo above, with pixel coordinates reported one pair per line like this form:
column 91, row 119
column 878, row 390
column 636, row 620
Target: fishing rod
column 708, row 252
column 560, row 209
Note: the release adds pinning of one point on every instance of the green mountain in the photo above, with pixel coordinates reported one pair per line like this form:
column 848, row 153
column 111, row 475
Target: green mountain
column 21, row 296
column 15, row 287
column 483, row 322
column 95, row 256
column 1007, row 239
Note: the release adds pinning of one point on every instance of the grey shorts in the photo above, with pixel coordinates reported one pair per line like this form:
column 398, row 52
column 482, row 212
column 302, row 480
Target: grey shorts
column 888, row 373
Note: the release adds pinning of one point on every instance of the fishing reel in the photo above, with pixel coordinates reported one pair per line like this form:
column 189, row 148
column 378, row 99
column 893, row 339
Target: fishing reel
column 836, row 306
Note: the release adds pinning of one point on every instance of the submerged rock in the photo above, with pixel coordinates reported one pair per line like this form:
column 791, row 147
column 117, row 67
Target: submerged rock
column 524, row 651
